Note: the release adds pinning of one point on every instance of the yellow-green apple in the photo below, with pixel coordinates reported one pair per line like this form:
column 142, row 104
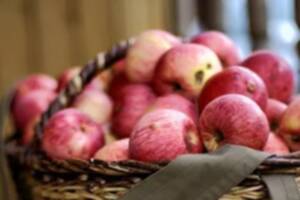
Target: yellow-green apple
column 275, row 72
column 31, row 105
column 234, row 80
column 146, row 51
column 115, row 151
column 184, row 69
column 274, row 112
column 71, row 134
column 176, row 102
column 222, row 45
column 276, row 145
column 162, row 135
column 132, row 104
column 289, row 127
column 233, row 119
column 96, row 104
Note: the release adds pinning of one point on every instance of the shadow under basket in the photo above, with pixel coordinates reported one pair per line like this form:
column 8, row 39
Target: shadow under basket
column 38, row 177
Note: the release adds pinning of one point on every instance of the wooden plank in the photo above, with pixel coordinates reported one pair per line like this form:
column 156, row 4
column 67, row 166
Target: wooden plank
column 137, row 16
column 13, row 63
column 55, row 51
column 94, row 26
column 33, row 36
column 163, row 14
column 116, row 18
column 76, row 42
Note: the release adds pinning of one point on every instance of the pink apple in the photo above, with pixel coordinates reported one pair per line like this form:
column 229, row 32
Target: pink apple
column 235, row 80
column 274, row 112
column 101, row 81
column 70, row 134
column 275, row 145
column 133, row 102
column 146, row 51
column 115, row 151
column 69, row 74
column 176, row 102
column 29, row 84
column 221, row 44
column 233, row 119
column 184, row 69
column 289, row 127
column 35, row 82
column 96, row 104
column 31, row 105
column 275, row 72
column 162, row 135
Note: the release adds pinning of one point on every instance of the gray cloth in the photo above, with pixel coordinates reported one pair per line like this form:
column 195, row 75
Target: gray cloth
column 201, row 176
column 282, row 187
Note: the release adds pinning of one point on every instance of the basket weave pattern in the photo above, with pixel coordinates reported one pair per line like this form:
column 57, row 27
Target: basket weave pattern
column 96, row 179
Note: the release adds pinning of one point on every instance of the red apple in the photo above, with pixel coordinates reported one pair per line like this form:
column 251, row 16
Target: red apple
column 275, row 145
column 233, row 119
column 29, row 131
column 30, row 83
column 118, row 82
column 70, row 134
column 162, row 135
column 67, row 76
column 274, row 112
column 31, row 105
column 235, row 80
column 133, row 102
column 275, row 72
column 35, row 82
column 176, row 102
column 221, row 44
column 146, row 51
column 115, row 151
column 184, row 69
column 119, row 67
column 97, row 83
column 96, row 104
column 289, row 127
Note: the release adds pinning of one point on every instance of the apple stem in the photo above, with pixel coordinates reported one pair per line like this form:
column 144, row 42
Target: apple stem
column 176, row 86
column 199, row 76
column 211, row 144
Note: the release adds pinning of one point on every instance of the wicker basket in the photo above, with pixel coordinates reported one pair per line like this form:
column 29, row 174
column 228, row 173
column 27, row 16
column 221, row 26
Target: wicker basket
column 43, row 178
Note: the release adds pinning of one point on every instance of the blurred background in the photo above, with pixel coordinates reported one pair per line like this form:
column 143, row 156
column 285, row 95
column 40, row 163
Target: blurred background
column 50, row 35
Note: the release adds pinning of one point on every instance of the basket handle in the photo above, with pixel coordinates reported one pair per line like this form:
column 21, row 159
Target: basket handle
column 97, row 65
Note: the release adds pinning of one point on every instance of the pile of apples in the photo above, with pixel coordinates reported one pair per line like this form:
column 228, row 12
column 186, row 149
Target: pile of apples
column 167, row 98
